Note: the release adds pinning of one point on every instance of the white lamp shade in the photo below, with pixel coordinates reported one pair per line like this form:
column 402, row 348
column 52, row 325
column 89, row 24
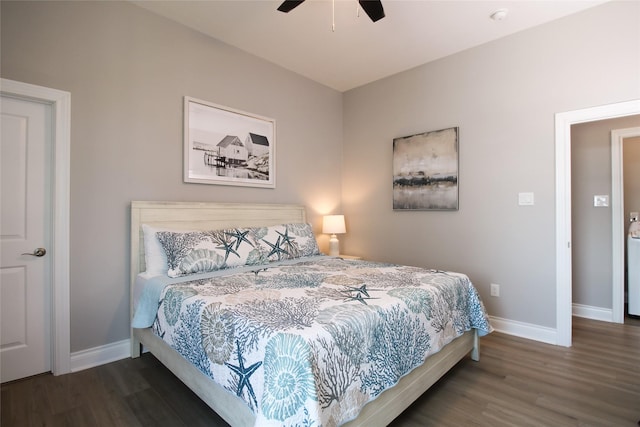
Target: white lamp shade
column 333, row 224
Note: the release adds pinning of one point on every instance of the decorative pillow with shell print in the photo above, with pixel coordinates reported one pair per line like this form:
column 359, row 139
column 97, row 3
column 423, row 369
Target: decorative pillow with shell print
column 193, row 252
column 203, row 251
column 286, row 241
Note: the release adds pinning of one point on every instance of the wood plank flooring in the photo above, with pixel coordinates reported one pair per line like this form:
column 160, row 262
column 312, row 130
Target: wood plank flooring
column 516, row 383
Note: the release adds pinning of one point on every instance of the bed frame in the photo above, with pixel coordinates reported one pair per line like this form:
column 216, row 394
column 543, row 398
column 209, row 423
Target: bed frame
column 209, row 216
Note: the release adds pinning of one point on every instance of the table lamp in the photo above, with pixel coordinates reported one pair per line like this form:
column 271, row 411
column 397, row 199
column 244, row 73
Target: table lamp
column 333, row 224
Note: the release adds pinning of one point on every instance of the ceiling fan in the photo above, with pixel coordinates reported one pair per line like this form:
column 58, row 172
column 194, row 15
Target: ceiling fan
column 373, row 8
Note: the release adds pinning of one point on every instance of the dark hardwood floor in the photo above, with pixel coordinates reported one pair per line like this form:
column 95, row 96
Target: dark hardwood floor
column 517, row 382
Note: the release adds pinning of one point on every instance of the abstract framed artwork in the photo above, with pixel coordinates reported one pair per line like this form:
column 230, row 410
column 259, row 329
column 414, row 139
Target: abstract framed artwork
column 228, row 147
column 425, row 171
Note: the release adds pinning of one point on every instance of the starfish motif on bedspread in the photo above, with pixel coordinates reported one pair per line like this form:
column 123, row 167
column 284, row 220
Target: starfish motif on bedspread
column 276, row 249
column 360, row 294
column 244, row 374
column 362, row 289
column 240, row 236
column 228, row 248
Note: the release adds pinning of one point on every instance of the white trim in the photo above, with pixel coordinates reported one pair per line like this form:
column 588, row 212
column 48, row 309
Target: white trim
column 618, row 218
column 563, row 203
column 595, row 313
column 90, row 358
column 101, row 355
column 60, row 102
column 563, row 230
column 524, row 330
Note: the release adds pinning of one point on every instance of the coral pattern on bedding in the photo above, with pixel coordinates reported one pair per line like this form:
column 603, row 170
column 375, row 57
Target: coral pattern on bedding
column 310, row 343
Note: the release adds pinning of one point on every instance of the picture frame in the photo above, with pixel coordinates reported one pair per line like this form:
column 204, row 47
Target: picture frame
column 425, row 171
column 225, row 146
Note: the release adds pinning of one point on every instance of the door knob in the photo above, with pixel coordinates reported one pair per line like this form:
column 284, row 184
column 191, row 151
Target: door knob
column 38, row 252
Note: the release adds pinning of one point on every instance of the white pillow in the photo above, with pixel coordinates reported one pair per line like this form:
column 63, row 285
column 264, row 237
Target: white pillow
column 154, row 256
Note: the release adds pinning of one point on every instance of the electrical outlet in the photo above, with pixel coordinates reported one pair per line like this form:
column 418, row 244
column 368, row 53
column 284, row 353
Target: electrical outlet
column 495, row 290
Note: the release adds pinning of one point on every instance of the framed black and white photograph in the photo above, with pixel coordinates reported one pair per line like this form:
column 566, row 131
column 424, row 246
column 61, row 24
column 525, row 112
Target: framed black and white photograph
column 425, row 171
column 228, row 147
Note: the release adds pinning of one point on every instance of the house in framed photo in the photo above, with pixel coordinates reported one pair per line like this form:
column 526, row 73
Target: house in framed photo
column 258, row 145
column 243, row 156
column 233, row 150
column 537, row 98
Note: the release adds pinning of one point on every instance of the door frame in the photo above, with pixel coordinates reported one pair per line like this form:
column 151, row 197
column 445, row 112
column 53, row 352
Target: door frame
column 563, row 122
column 618, row 217
column 60, row 102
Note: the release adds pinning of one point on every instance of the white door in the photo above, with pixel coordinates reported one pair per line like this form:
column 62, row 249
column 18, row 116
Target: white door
column 25, row 270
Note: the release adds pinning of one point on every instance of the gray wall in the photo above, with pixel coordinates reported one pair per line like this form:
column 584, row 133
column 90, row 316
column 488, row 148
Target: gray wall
column 592, row 226
column 503, row 95
column 127, row 71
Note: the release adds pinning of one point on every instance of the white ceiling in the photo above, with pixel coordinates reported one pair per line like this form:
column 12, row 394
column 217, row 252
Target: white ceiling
column 359, row 51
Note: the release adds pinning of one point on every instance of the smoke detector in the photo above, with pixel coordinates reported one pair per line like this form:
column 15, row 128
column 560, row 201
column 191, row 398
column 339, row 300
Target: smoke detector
column 499, row 15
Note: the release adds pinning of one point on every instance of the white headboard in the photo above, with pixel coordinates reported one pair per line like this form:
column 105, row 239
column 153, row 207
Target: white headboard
column 202, row 216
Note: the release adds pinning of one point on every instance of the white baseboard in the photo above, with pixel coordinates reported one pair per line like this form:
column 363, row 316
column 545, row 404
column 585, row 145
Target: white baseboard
column 97, row 356
column 525, row 330
column 545, row 334
column 590, row 312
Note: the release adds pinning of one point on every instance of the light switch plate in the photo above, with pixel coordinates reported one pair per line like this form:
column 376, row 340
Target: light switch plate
column 525, row 199
column 601, row 201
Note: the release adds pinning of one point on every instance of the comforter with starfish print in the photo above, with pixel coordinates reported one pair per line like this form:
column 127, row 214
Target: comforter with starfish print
column 309, row 343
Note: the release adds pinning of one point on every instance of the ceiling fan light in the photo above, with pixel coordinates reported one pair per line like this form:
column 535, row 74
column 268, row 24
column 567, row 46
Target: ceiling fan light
column 373, row 8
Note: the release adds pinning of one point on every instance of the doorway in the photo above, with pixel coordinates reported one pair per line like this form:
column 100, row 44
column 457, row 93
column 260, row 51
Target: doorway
column 60, row 104
column 598, row 225
column 563, row 122
column 618, row 137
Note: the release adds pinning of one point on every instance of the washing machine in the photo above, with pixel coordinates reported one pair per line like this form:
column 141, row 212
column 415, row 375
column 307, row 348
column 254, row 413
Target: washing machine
column 633, row 268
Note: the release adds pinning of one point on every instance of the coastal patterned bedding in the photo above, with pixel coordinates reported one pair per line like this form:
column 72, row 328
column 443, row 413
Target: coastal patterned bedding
column 309, row 341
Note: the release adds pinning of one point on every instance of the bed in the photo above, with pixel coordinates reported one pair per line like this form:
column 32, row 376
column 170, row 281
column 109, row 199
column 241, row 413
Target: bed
column 256, row 405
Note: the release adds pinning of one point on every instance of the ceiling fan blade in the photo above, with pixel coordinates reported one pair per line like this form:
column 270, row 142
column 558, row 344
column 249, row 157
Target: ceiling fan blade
column 288, row 5
column 373, row 8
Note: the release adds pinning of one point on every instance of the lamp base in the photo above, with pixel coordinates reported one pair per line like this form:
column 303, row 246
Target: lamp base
column 334, row 246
